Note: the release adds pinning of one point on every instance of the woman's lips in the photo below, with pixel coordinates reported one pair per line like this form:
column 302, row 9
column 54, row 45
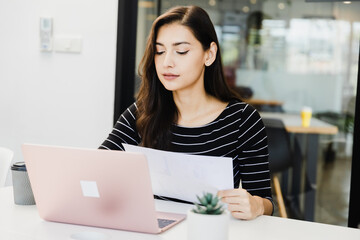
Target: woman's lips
column 170, row 76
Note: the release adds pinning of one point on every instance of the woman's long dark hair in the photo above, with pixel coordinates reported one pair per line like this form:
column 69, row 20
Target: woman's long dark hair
column 157, row 111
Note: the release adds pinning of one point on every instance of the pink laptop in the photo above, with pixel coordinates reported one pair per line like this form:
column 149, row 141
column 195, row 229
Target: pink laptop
column 101, row 188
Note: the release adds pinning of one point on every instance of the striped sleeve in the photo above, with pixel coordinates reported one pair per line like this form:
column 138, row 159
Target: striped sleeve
column 252, row 160
column 124, row 131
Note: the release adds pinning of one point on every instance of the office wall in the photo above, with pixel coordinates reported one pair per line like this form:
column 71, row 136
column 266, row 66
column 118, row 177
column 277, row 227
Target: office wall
column 56, row 98
column 296, row 91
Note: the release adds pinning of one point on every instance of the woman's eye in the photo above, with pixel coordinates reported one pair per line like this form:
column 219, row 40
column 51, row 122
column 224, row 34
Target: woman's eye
column 159, row 52
column 182, row 52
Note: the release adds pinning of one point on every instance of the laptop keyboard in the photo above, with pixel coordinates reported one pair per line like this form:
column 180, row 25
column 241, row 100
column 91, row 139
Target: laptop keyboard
column 164, row 222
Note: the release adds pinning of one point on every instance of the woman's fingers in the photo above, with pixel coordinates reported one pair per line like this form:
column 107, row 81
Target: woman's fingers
column 237, row 196
column 236, row 200
column 238, row 207
column 240, row 203
column 232, row 192
column 242, row 215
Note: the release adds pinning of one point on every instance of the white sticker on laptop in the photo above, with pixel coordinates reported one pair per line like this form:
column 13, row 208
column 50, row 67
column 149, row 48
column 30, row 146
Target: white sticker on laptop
column 89, row 189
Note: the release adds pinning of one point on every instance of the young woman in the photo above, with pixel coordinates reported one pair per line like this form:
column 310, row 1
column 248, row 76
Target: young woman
column 184, row 105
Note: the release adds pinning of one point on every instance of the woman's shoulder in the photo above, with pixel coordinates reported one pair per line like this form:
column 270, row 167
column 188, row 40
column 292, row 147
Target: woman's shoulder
column 133, row 107
column 238, row 105
column 241, row 109
column 129, row 114
column 233, row 112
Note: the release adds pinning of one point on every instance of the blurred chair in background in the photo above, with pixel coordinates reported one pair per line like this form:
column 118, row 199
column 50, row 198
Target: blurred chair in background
column 280, row 158
column 6, row 156
column 230, row 76
column 266, row 105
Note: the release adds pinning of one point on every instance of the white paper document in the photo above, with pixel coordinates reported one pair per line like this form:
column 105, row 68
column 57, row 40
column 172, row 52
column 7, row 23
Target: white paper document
column 183, row 176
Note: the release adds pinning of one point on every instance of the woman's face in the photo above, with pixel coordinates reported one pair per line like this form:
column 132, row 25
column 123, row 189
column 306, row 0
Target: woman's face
column 179, row 58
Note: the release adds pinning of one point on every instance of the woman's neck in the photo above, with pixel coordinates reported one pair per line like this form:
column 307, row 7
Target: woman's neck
column 190, row 103
column 196, row 109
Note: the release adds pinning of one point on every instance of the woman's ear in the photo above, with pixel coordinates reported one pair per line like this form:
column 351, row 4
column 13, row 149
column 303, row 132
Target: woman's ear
column 211, row 54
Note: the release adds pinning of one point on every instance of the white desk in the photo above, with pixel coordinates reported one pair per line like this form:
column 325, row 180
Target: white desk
column 23, row 223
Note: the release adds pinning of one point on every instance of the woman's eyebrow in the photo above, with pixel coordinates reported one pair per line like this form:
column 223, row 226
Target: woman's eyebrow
column 174, row 44
column 179, row 43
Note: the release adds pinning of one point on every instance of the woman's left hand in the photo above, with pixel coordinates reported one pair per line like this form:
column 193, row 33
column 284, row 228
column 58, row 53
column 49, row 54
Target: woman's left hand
column 242, row 204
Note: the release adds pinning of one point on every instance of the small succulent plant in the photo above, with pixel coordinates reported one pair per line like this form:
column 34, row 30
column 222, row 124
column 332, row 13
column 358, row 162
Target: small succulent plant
column 209, row 204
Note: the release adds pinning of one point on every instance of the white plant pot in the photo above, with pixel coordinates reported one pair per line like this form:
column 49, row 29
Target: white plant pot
column 209, row 227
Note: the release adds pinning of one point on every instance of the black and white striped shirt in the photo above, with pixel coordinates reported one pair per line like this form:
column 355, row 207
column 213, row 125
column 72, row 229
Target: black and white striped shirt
column 238, row 132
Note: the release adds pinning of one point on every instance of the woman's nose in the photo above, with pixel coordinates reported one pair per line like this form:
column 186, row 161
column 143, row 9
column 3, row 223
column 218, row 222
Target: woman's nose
column 168, row 60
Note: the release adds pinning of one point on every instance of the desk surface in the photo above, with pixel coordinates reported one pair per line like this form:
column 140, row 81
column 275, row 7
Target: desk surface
column 293, row 123
column 23, row 222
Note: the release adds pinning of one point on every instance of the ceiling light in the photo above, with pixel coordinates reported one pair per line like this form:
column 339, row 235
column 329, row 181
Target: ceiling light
column 212, row 2
column 281, row 6
column 245, row 9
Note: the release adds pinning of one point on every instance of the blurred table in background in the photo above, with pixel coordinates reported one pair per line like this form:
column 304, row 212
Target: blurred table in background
column 265, row 105
column 309, row 141
column 293, row 124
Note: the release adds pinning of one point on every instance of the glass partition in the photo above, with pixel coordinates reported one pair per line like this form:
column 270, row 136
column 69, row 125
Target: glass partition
column 284, row 55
